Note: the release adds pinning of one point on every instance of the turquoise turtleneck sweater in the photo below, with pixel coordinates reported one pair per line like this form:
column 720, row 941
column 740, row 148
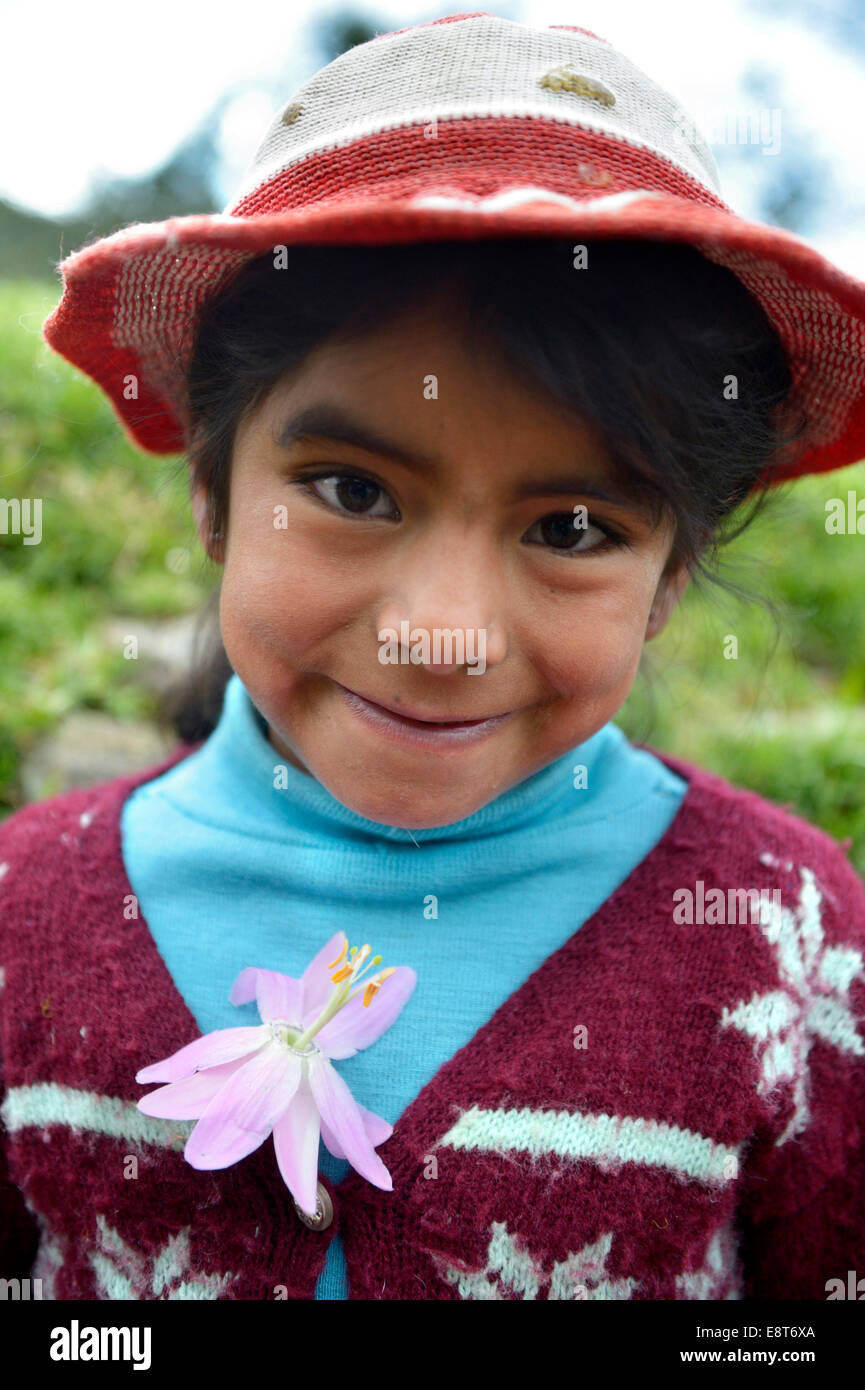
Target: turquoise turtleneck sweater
column 230, row 872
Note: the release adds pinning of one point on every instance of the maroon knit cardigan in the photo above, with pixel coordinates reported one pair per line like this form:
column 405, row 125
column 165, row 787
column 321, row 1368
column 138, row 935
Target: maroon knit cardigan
column 703, row 1139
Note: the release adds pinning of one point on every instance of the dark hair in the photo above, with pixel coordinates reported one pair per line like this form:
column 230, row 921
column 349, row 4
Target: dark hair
column 639, row 343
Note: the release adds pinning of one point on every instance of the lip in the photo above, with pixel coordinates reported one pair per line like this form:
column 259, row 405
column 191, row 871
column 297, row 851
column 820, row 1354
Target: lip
column 412, row 729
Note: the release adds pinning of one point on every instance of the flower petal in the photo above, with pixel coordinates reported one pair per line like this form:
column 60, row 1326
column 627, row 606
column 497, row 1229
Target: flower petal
column 330, row 1140
column 295, row 1139
column 245, row 1109
column 316, row 981
column 188, row 1099
column 377, row 1130
column 223, row 1045
column 358, row 1024
column 278, row 996
column 341, row 1114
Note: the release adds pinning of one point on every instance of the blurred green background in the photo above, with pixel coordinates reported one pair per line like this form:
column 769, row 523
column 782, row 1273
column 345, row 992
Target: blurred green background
column 787, row 718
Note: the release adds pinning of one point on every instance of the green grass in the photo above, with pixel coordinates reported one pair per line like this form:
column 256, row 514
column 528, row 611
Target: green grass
column 113, row 520
column 786, row 718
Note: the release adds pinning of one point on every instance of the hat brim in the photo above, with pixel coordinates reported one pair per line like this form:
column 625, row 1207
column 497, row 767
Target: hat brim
column 131, row 301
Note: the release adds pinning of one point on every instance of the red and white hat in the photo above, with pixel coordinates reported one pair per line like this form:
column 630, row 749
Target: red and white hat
column 468, row 126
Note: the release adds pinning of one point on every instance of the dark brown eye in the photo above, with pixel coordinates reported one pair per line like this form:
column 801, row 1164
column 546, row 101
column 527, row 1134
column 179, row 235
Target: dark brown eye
column 351, row 494
column 356, row 494
column 557, row 530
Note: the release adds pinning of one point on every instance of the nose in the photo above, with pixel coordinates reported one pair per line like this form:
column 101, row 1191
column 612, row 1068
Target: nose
column 445, row 614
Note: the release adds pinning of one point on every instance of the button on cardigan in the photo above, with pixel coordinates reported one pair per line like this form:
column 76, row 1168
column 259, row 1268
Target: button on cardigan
column 704, row 1141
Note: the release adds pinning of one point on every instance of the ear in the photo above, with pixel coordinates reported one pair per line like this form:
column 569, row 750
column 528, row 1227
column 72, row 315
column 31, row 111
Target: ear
column 671, row 587
column 214, row 546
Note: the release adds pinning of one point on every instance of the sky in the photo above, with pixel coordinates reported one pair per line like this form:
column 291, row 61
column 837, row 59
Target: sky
column 110, row 88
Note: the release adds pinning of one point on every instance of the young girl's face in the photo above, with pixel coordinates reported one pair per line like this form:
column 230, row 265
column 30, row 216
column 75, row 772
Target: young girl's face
column 457, row 519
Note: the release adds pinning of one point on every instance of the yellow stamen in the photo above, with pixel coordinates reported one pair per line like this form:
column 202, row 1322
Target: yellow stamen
column 375, row 985
column 353, row 961
column 351, row 971
column 341, row 954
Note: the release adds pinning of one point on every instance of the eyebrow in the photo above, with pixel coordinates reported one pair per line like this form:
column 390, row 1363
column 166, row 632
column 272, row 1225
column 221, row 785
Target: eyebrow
column 322, row 423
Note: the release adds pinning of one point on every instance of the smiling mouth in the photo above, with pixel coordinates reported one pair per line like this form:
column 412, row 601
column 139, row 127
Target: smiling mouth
column 420, row 723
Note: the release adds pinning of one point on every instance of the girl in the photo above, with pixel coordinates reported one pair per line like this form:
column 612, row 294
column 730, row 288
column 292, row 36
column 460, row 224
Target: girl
column 471, row 379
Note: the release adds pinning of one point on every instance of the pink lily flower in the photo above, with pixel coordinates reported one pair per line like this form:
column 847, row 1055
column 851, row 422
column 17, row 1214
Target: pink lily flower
column 242, row 1084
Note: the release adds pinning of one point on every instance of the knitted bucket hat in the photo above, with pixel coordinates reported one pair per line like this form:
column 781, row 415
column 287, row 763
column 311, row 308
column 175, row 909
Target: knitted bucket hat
column 463, row 127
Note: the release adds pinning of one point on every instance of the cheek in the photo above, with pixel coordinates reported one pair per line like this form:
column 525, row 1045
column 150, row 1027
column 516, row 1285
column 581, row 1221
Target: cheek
column 280, row 596
column 591, row 642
